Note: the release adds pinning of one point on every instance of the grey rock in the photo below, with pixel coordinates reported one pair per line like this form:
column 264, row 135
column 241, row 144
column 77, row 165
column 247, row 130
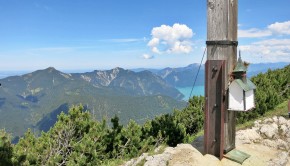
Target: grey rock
column 134, row 162
column 280, row 160
column 287, row 135
column 268, row 121
column 257, row 123
column 248, row 136
column 269, row 130
column 159, row 159
column 288, row 123
column 275, row 119
column 270, row 143
column 281, row 144
column 282, row 121
column 283, row 130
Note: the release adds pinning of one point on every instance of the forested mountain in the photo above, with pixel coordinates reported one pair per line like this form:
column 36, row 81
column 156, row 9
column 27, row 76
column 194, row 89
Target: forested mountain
column 135, row 83
column 85, row 141
column 34, row 100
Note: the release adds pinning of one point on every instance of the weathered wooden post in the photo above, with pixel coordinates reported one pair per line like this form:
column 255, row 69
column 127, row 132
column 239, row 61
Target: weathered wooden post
column 221, row 57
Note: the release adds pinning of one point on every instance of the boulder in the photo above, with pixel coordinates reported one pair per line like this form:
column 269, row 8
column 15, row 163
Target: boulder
column 269, row 131
column 283, row 145
column 283, row 130
column 288, row 123
column 268, row 121
column 159, row 159
column 282, row 120
column 186, row 155
column 257, row 123
column 248, row 136
column 136, row 161
column 281, row 159
column 287, row 135
column 270, row 143
column 275, row 119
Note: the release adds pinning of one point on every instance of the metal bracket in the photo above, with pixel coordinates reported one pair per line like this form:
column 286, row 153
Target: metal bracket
column 222, row 42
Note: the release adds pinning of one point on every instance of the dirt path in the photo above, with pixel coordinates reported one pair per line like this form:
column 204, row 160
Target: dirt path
column 186, row 155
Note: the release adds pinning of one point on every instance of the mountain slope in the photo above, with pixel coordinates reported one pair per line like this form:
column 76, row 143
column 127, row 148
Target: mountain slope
column 34, row 100
column 136, row 83
column 182, row 76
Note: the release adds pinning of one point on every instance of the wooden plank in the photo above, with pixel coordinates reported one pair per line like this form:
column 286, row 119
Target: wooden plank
column 217, row 19
column 222, row 25
column 214, row 108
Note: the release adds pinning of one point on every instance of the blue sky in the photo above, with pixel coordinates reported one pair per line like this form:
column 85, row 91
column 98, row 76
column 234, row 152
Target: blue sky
column 103, row 34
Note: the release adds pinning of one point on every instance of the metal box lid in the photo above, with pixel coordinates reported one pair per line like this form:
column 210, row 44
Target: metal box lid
column 245, row 85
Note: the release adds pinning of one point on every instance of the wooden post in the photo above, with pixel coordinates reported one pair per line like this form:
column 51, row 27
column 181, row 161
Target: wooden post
column 222, row 45
column 214, row 119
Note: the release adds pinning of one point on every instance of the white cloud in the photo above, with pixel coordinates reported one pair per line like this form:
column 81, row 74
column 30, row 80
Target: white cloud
column 147, row 56
column 175, row 39
column 153, row 42
column 254, row 33
column 281, row 28
column 272, row 50
column 273, row 42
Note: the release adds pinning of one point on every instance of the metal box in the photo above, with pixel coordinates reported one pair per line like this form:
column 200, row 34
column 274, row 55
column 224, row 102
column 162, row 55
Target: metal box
column 241, row 95
column 241, row 89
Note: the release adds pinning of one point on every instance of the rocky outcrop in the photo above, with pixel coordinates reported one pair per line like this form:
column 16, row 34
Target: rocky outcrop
column 272, row 132
column 181, row 155
column 268, row 143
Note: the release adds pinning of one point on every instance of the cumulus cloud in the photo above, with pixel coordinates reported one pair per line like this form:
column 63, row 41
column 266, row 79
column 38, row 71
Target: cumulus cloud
column 279, row 28
column 147, row 56
column 273, row 50
column 274, row 46
column 282, row 28
column 171, row 39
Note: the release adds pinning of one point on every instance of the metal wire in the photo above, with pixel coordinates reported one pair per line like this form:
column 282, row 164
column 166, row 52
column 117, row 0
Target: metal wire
column 196, row 77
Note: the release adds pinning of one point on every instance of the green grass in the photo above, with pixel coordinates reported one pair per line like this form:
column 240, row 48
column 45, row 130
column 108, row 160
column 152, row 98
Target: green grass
column 280, row 110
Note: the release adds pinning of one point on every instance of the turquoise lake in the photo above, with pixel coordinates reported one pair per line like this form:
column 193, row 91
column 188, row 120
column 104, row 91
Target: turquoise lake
column 197, row 91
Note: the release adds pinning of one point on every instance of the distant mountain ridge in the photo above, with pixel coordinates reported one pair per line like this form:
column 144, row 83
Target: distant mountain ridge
column 33, row 100
column 137, row 83
column 257, row 68
column 28, row 101
column 185, row 76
